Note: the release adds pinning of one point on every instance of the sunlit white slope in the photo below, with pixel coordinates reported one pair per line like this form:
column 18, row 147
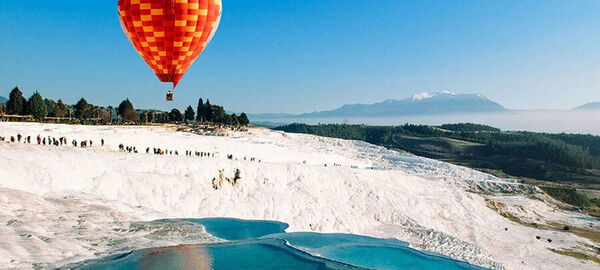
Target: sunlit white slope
column 418, row 200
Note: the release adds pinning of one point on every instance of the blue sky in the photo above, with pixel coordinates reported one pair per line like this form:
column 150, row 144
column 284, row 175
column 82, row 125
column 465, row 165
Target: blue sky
column 301, row 56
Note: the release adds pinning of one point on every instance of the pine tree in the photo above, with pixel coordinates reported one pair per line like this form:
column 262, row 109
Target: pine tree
column 189, row 114
column 51, row 107
column 175, row 115
column 36, row 106
column 82, row 108
column 200, row 110
column 234, row 120
column 125, row 107
column 207, row 111
column 218, row 114
column 16, row 102
column 244, row 121
column 61, row 109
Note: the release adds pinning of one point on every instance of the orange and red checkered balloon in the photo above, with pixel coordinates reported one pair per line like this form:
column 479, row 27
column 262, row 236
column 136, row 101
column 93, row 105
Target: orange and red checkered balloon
column 170, row 34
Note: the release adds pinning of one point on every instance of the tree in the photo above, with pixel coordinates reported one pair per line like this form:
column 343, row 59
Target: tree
column 175, row 115
column 207, row 111
column 93, row 112
column 200, row 110
column 233, row 120
column 125, row 106
column 152, row 116
column 161, row 117
column 112, row 112
column 82, row 109
column 131, row 115
column 36, row 106
column 144, row 116
column 244, row 121
column 61, row 109
column 189, row 114
column 218, row 114
column 16, row 102
column 51, row 107
column 105, row 116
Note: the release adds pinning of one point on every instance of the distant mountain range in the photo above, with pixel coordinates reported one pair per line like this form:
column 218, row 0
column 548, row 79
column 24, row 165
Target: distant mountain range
column 589, row 106
column 426, row 103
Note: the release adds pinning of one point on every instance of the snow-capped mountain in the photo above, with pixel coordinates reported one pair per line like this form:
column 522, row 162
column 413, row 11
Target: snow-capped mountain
column 430, row 94
column 589, row 106
column 425, row 103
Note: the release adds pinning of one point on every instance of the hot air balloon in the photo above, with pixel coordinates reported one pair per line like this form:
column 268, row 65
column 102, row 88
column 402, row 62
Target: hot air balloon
column 169, row 34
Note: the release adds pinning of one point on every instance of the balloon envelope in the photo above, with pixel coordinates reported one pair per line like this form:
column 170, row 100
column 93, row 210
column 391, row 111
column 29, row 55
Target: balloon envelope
column 169, row 34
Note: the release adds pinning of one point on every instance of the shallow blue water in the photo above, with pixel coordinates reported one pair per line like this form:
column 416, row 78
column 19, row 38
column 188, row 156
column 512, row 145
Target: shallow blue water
column 265, row 245
column 368, row 252
column 267, row 254
column 254, row 254
column 237, row 229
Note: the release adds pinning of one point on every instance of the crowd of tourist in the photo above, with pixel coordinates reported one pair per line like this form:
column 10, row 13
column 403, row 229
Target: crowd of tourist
column 60, row 141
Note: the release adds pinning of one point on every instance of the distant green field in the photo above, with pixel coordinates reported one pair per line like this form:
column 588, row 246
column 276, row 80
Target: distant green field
column 569, row 195
column 559, row 158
